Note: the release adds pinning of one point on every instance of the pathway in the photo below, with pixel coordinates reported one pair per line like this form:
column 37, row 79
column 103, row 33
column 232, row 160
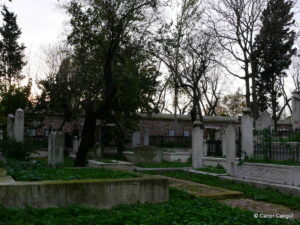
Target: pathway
column 231, row 198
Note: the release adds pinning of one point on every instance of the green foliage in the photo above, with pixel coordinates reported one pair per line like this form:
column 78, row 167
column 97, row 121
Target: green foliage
column 11, row 52
column 219, row 169
column 274, row 49
column 266, row 195
column 39, row 171
column 181, row 209
column 11, row 149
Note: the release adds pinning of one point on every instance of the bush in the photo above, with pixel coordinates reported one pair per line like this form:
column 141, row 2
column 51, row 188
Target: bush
column 11, row 149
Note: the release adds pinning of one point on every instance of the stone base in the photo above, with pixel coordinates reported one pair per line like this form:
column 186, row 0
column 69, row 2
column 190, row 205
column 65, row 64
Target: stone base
column 117, row 165
column 97, row 193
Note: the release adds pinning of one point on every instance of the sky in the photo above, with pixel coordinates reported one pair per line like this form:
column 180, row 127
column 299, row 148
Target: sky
column 42, row 23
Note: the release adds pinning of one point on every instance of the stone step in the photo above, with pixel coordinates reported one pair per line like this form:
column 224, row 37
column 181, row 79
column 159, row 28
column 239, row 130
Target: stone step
column 202, row 190
column 2, row 172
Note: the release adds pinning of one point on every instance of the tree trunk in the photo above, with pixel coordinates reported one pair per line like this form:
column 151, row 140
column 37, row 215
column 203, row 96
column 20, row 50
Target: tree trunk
column 248, row 102
column 88, row 136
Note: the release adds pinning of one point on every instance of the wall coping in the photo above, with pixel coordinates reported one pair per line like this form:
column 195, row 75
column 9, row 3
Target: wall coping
column 269, row 165
column 85, row 181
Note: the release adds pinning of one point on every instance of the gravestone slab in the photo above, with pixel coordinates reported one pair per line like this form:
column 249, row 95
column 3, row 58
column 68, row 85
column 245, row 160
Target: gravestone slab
column 10, row 126
column 56, row 145
column 148, row 155
column 19, row 125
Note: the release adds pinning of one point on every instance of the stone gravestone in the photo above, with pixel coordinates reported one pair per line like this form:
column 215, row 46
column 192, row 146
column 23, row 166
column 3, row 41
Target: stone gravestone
column 197, row 145
column 10, row 126
column 247, row 133
column 296, row 110
column 229, row 144
column 19, row 125
column 56, row 145
column 146, row 137
column 148, row 155
column 263, row 122
column 75, row 144
column 136, row 139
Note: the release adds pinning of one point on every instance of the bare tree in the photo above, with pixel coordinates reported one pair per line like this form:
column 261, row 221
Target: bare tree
column 189, row 52
column 235, row 23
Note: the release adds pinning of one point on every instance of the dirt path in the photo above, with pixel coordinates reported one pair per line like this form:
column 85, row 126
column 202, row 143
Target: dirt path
column 232, row 198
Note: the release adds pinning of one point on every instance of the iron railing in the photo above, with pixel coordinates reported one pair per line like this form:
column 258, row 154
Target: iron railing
column 280, row 145
column 170, row 141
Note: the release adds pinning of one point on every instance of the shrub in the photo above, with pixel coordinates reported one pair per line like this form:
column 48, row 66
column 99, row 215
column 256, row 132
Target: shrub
column 11, row 149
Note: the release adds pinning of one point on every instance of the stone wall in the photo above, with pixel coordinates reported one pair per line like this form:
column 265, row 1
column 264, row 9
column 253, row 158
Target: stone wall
column 90, row 193
column 279, row 174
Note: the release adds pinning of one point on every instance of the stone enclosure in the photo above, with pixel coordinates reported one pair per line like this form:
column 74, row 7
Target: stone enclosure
column 104, row 193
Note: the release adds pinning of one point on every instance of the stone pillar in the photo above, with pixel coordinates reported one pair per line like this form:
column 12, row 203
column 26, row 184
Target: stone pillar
column 136, row 139
column 296, row 110
column 146, row 137
column 75, row 144
column 19, row 125
column 56, row 145
column 10, row 126
column 229, row 145
column 197, row 145
column 247, row 133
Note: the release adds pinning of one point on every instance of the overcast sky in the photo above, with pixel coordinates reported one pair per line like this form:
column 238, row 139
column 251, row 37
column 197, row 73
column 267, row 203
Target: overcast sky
column 42, row 23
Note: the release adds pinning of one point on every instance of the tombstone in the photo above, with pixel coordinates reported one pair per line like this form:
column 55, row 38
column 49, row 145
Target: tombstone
column 1, row 134
column 10, row 126
column 296, row 109
column 75, row 144
column 247, row 133
column 136, row 139
column 56, row 145
column 19, row 125
column 263, row 122
column 197, row 145
column 146, row 137
column 229, row 145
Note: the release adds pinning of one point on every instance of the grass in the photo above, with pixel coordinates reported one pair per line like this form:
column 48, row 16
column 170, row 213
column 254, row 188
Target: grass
column 39, row 171
column 181, row 209
column 267, row 195
column 219, row 169
column 164, row 165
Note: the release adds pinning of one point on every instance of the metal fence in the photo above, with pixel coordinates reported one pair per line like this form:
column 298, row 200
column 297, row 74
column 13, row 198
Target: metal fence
column 170, row 141
column 280, row 145
column 214, row 148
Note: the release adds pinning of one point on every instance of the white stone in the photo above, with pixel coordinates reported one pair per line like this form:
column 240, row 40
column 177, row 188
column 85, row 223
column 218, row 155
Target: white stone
column 296, row 109
column 56, row 145
column 247, row 135
column 229, row 140
column 19, row 125
column 75, row 144
column 10, row 126
column 146, row 137
column 197, row 145
column 136, row 139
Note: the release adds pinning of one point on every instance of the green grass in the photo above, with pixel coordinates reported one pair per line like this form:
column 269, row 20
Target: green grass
column 219, row 169
column 164, row 165
column 40, row 172
column 181, row 209
column 267, row 195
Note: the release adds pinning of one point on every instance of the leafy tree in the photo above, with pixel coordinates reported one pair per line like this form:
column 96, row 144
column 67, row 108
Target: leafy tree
column 58, row 94
column 232, row 104
column 112, row 72
column 273, row 52
column 11, row 52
